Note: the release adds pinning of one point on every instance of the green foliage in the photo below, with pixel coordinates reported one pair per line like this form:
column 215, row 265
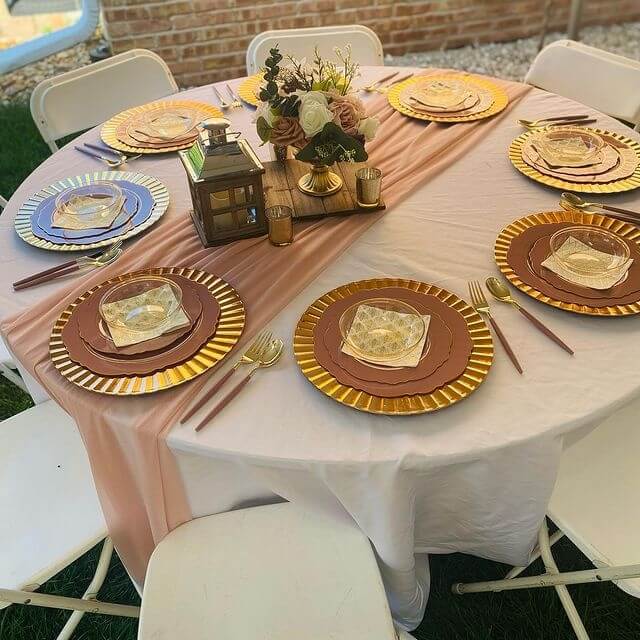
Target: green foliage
column 331, row 145
column 263, row 129
column 284, row 105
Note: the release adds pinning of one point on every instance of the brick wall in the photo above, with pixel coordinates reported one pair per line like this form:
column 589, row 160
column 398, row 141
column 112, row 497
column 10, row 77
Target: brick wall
column 205, row 40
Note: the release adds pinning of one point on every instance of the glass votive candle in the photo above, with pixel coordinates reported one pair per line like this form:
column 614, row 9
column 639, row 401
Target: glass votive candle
column 280, row 218
column 368, row 186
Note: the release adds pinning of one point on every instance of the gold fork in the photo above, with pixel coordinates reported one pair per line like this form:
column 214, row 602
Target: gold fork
column 481, row 305
column 236, row 102
column 251, row 356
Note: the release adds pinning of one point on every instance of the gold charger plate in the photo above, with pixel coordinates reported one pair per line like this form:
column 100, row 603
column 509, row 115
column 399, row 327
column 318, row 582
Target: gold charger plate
column 476, row 371
column 228, row 332
column 109, row 128
column 500, row 98
column 247, row 90
column 22, row 221
column 624, row 184
column 503, row 242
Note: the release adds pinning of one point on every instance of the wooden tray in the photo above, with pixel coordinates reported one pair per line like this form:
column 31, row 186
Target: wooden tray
column 280, row 188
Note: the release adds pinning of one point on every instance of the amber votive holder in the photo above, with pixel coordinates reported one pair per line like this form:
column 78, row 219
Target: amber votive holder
column 280, row 218
column 368, row 187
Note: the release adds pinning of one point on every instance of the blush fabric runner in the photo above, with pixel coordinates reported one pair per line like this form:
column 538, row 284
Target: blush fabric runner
column 135, row 473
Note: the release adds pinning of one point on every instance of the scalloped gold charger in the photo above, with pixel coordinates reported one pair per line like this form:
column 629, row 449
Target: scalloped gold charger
column 248, row 89
column 499, row 95
column 517, row 227
column 615, row 186
column 22, row 221
column 227, row 333
column 110, row 129
column 476, row 371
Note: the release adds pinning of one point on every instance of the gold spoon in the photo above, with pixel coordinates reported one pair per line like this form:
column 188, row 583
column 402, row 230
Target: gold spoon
column 572, row 201
column 268, row 358
column 499, row 290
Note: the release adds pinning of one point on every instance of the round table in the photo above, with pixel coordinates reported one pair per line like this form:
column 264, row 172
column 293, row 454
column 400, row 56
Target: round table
column 475, row 477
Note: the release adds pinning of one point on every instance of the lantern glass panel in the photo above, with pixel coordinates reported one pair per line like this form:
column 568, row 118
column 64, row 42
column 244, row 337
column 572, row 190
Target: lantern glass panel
column 219, row 200
column 225, row 221
column 248, row 217
column 240, row 195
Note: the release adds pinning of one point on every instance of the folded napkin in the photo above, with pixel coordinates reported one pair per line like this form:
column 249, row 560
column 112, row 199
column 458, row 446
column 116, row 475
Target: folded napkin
column 159, row 296
column 599, row 281
column 62, row 219
column 368, row 316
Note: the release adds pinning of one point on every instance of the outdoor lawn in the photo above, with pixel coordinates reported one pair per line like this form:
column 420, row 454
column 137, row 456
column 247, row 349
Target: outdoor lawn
column 609, row 613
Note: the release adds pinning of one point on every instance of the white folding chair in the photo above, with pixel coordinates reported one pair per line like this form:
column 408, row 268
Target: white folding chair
column 276, row 572
column 597, row 78
column 366, row 47
column 3, row 203
column 82, row 98
column 595, row 504
column 8, row 367
column 50, row 512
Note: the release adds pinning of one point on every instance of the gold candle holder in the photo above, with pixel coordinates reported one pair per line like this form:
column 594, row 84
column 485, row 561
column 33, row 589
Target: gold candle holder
column 368, row 187
column 280, row 218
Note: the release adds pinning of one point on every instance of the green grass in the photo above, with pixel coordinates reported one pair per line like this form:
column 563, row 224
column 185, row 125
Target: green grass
column 534, row 614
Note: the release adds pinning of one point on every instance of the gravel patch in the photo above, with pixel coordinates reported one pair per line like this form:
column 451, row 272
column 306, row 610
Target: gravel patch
column 511, row 60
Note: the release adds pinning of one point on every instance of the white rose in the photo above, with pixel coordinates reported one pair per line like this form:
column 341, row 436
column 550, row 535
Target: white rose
column 368, row 128
column 313, row 113
column 264, row 111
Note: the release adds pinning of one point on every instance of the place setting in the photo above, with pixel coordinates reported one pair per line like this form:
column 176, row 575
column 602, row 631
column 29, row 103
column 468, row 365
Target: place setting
column 448, row 97
column 157, row 127
column 576, row 259
column 147, row 331
column 91, row 211
column 393, row 346
column 569, row 155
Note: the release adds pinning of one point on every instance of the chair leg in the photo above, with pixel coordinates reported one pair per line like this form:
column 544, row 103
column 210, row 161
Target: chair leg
column 516, row 571
column 92, row 590
column 561, row 590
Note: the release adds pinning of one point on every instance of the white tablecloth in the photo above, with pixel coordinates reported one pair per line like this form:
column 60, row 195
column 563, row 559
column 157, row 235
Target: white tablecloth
column 475, row 477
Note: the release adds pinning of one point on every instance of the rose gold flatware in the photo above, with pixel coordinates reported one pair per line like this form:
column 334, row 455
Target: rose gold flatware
column 481, row 305
column 544, row 122
column 96, row 260
column 268, row 358
column 250, row 356
column 386, row 87
column 499, row 291
column 372, row 87
column 572, row 201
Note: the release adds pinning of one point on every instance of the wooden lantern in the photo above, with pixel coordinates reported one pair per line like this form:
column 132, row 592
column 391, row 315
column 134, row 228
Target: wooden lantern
column 225, row 180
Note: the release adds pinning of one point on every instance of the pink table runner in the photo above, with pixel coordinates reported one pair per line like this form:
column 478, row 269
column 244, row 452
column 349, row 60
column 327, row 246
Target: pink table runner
column 135, row 473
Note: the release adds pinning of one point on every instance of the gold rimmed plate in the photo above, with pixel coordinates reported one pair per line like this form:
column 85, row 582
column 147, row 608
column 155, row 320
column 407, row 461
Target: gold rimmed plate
column 500, row 98
column 503, row 242
column 227, row 333
column 615, row 186
column 157, row 190
column 248, row 90
column 474, row 374
column 109, row 131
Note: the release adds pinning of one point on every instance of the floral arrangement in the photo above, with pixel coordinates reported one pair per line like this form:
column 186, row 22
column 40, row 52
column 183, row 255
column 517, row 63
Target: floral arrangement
column 312, row 108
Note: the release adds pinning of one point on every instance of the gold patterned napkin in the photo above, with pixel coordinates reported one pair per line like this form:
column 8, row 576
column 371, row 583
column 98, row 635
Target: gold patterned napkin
column 160, row 296
column 596, row 281
column 405, row 324
column 62, row 219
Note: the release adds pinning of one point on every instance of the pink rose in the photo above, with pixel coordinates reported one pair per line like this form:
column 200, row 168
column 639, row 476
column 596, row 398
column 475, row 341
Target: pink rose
column 345, row 115
column 287, row 131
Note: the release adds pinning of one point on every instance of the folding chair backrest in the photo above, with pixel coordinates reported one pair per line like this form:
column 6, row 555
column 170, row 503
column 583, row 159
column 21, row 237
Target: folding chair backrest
column 597, row 78
column 85, row 97
column 366, row 47
column 3, row 203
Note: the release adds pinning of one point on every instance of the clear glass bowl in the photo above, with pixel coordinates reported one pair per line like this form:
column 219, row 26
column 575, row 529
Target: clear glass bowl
column 573, row 248
column 439, row 93
column 381, row 329
column 568, row 146
column 168, row 123
column 141, row 303
column 90, row 202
